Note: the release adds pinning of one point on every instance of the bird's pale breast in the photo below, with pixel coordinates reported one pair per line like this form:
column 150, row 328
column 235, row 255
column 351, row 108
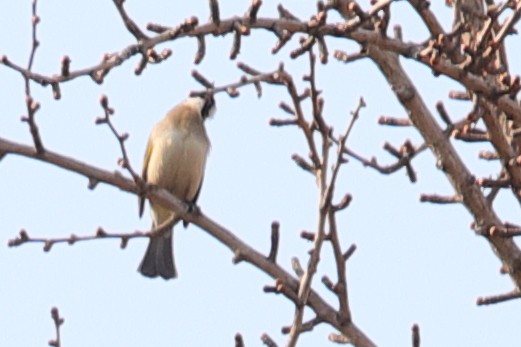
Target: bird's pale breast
column 177, row 162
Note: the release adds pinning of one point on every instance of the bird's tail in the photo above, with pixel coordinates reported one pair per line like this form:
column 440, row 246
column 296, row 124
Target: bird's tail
column 159, row 258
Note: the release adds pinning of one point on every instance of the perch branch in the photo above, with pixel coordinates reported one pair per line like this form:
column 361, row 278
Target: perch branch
column 321, row 308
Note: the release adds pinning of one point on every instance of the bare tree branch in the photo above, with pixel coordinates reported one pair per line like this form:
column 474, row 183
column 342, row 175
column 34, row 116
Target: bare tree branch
column 447, row 158
column 191, row 29
column 473, row 54
column 58, row 322
column 164, row 198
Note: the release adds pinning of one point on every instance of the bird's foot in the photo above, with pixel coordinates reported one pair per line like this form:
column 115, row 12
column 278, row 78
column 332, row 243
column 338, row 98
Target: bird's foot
column 193, row 208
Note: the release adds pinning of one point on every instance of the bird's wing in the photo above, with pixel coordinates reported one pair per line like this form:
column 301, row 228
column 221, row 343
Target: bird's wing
column 194, row 200
column 144, row 175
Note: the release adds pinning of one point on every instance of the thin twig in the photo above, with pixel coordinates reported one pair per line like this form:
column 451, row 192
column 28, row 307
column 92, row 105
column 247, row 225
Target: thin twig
column 415, row 335
column 326, row 193
column 129, row 23
column 239, row 342
column 23, row 237
column 274, row 77
column 267, row 340
column 275, row 227
column 58, row 322
column 32, row 106
column 440, row 199
column 123, row 162
column 495, row 299
column 340, row 288
column 428, row 17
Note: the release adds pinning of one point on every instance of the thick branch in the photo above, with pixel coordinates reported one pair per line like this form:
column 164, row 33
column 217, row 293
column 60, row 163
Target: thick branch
column 160, row 196
column 474, row 83
column 447, row 158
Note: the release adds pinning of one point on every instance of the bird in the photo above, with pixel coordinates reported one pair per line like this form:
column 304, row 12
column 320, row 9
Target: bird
column 175, row 159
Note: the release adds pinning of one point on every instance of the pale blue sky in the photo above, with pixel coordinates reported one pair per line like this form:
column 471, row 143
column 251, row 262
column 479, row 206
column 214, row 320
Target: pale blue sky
column 415, row 263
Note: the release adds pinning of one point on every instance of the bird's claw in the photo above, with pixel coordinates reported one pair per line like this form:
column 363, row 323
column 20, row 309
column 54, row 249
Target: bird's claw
column 193, row 208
